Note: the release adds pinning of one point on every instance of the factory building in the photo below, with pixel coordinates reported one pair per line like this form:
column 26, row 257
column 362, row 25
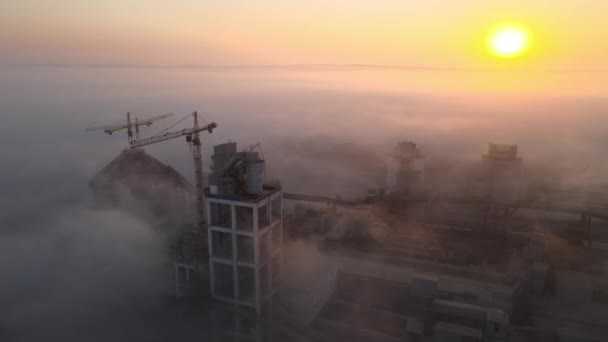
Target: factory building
column 380, row 301
column 244, row 229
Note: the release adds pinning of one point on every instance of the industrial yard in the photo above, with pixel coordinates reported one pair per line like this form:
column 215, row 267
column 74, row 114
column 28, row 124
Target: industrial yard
column 495, row 255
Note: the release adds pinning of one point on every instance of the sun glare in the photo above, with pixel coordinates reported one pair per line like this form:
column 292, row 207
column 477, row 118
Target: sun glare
column 508, row 40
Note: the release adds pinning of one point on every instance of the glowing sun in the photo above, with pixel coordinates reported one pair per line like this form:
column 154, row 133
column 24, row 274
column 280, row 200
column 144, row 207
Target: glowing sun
column 508, row 40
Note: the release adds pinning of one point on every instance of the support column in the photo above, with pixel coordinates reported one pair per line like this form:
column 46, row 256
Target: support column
column 177, row 285
column 210, row 250
column 282, row 269
column 589, row 239
column 256, row 259
column 235, row 254
column 427, row 212
column 271, row 248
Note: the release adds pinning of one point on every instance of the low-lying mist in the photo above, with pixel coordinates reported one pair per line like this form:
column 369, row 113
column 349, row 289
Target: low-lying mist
column 80, row 265
column 65, row 264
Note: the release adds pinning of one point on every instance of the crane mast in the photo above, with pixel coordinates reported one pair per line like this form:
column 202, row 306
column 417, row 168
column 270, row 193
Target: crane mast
column 129, row 129
column 198, row 175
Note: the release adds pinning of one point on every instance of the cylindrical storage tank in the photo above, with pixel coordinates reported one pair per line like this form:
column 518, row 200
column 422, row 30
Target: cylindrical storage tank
column 255, row 172
column 251, row 156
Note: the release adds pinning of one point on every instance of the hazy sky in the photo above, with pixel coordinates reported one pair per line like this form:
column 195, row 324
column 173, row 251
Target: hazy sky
column 568, row 33
column 568, row 52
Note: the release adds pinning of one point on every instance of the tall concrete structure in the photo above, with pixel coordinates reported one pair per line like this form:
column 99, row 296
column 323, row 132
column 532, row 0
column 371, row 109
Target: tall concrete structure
column 503, row 170
column 245, row 228
column 405, row 168
column 405, row 177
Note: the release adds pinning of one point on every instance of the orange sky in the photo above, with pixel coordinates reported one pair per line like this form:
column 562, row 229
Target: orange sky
column 569, row 35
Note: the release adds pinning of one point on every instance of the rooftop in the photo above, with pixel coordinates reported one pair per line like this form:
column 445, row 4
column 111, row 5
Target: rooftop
column 268, row 189
column 502, row 152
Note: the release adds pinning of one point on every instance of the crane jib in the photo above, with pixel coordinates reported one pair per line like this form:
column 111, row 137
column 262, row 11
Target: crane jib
column 172, row 135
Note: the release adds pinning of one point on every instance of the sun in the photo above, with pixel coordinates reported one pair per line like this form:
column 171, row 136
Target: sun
column 509, row 40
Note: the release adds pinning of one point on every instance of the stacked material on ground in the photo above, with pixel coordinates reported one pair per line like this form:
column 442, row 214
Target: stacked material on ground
column 137, row 181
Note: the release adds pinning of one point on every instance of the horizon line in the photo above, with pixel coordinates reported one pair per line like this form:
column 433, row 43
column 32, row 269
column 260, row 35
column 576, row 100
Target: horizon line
column 347, row 66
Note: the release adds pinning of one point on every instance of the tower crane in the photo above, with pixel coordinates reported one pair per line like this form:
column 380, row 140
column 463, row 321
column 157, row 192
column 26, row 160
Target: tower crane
column 129, row 126
column 192, row 137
